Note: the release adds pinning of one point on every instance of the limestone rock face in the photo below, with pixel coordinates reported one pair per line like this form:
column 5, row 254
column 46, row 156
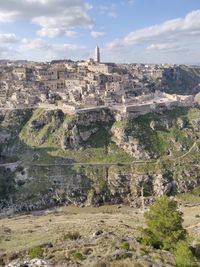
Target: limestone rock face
column 152, row 125
column 74, row 141
column 197, row 98
column 54, row 117
column 100, row 116
column 86, row 134
column 91, row 158
column 163, row 186
column 129, row 143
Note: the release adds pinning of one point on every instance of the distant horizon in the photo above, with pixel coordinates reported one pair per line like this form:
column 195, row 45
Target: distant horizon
column 84, row 60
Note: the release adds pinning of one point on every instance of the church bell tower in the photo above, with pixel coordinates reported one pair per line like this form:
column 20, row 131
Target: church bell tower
column 97, row 54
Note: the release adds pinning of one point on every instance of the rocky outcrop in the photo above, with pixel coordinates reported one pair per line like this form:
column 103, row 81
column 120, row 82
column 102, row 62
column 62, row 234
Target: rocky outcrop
column 28, row 263
column 91, row 159
column 163, row 186
column 55, row 117
column 86, row 134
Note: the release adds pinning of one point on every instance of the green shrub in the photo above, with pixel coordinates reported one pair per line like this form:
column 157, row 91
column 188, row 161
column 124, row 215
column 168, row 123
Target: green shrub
column 71, row 236
column 35, row 252
column 78, row 256
column 2, row 263
column 183, row 255
column 164, row 225
column 145, row 250
column 125, row 245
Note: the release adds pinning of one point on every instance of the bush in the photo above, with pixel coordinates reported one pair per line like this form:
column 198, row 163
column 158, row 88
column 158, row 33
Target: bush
column 164, row 225
column 125, row 245
column 78, row 256
column 71, row 236
column 35, row 252
column 183, row 255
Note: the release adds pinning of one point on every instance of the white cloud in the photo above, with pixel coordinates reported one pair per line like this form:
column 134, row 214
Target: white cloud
column 71, row 34
column 97, row 34
column 8, row 44
column 8, row 16
column 108, row 10
column 8, row 38
column 161, row 46
column 42, row 50
column 34, row 45
column 55, row 32
column 169, row 30
column 55, row 17
column 180, row 38
column 7, row 52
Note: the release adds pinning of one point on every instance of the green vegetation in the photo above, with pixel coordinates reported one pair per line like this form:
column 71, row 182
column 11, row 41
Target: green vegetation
column 35, row 252
column 125, row 245
column 107, row 154
column 71, row 236
column 2, row 263
column 120, row 226
column 39, row 145
column 183, row 255
column 47, row 138
column 157, row 138
column 99, row 148
column 42, row 128
column 101, row 138
column 190, row 197
column 77, row 256
column 154, row 141
column 32, row 190
column 165, row 231
column 99, row 169
column 164, row 224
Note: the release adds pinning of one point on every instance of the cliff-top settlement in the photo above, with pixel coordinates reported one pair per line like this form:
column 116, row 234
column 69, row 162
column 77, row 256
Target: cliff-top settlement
column 87, row 85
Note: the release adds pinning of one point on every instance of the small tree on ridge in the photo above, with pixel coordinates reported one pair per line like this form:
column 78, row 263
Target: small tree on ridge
column 164, row 224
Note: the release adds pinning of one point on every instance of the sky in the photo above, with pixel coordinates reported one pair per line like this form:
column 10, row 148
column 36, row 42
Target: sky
column 127, row 31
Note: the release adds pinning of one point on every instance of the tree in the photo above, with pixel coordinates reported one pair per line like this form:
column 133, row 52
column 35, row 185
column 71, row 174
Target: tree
column 164, row 224
column 183, row 255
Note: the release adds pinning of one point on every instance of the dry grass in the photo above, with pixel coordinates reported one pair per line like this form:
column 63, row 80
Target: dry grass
column 21, row 233
column 31, row 230
column 191, row 217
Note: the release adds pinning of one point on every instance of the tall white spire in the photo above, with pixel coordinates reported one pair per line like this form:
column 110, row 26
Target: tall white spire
column 97, row 54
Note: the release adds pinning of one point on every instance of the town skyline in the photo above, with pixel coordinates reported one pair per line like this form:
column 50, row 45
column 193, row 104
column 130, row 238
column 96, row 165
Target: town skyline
column 127, row 31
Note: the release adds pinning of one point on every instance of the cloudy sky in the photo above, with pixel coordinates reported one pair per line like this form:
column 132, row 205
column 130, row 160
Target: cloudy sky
column 151, row 31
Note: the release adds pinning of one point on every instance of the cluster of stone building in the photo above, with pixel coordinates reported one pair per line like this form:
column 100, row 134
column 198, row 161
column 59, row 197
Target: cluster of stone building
column 79, row 85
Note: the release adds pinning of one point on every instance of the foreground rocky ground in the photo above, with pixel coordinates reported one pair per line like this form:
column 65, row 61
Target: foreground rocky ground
column 71, row 236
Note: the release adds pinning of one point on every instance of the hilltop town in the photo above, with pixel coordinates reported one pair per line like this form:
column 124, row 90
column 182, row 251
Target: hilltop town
column 87, row 85
column 88, row 134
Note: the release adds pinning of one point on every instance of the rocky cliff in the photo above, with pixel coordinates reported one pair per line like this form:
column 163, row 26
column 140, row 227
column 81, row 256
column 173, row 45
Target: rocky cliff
column 50, row 158
column 181, row 79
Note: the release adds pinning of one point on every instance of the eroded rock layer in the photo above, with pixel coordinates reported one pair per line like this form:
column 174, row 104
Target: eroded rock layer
column 91, row 158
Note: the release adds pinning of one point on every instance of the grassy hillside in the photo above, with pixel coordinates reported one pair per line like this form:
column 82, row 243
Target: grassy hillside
column 98, row 159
